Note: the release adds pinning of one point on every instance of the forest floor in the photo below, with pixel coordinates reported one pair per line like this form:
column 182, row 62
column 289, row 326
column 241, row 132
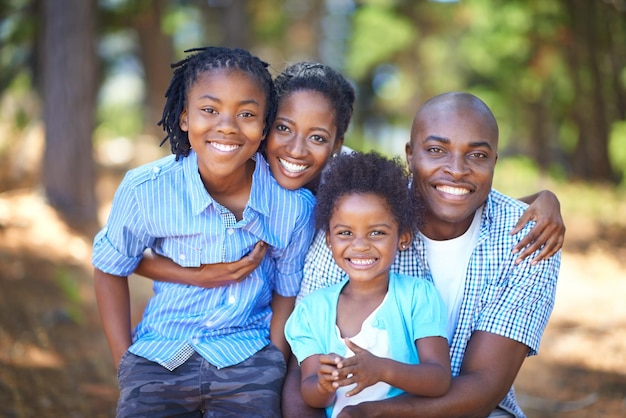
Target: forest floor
column 54, row 359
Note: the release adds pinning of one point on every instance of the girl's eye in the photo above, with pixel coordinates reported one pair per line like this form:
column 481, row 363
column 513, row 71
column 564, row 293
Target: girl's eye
column 209, row 110
column 344, row 233
column 246, row 114
column 377, row 233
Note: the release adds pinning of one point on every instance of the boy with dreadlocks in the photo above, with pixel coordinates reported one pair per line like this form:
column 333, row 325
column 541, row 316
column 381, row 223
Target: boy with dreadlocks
column 205, row 349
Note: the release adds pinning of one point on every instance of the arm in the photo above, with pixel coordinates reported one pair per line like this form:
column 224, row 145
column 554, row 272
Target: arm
column 163, row 269
column 293, row 406
column 549, row 229
column 431, row 377
column 113, row 298
column 489, row 368
column 282, row 307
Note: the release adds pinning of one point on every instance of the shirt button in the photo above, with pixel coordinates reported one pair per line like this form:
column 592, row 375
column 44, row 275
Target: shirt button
column 231, row 231
column 182, row 256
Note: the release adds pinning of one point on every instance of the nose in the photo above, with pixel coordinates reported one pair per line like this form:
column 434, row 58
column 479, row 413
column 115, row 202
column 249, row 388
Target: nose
column 456, row 165
column 227, row 123
column 360, row 244
column 297, row 146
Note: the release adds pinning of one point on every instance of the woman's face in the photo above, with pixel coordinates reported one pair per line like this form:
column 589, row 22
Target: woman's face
column 302, row 139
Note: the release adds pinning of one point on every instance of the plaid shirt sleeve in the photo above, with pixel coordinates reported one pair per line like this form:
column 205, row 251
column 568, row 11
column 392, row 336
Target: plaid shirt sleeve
column 320, row 269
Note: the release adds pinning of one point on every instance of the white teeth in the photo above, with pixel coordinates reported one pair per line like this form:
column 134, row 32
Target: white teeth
column 291, row 167
column 362, row 261
column 453, row 190
column 224, row 147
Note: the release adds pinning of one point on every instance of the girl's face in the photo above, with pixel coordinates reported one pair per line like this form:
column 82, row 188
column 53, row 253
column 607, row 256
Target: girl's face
column 224, row 118
column 302, row 139
column 364, row 237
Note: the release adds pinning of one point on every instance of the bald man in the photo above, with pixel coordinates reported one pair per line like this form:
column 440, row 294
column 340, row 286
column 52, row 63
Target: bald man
column 498, row 306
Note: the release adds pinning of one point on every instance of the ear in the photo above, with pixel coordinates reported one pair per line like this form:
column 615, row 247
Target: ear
column 328, row 244
column 408, row 150
column 404, row 240
column 337, row 145
column 183, row 122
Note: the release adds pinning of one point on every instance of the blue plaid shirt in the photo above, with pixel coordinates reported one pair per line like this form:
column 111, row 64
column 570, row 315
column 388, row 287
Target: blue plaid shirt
column 164, row 206
column 500, row 297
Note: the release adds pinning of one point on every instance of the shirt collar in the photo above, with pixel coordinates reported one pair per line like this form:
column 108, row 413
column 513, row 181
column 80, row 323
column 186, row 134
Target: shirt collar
column 201, row 199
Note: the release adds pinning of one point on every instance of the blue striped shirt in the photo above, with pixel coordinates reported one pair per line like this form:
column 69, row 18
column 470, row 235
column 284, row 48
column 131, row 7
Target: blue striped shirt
column 164, row 206
column 500, row 297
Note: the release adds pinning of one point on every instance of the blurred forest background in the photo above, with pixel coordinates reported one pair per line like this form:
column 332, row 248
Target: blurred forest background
column 82, row 86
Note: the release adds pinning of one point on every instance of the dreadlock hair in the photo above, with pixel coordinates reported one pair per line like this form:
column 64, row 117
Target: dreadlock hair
column 361, row 173
column 324, row 80
column 188, row 70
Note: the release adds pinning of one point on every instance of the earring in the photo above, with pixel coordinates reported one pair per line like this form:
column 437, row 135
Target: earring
column 334, row 155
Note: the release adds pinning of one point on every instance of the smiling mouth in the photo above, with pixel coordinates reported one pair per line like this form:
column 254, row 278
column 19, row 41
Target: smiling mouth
column 362, row 261
column 457, row 191
column 224, row 147
column 291, row 167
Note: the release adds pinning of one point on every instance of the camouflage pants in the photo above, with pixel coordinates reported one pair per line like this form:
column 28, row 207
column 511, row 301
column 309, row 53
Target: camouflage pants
column 251, row 388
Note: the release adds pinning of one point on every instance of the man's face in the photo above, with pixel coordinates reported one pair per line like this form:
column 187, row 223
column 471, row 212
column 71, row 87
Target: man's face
column 452, row 155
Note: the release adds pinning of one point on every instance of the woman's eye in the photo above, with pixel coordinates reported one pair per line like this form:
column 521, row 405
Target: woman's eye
column 282, row 128
column 319, row 139
column 209, row 110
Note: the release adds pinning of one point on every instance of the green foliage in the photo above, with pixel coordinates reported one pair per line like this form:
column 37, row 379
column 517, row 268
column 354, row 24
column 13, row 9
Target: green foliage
column 617, row 149
column 378, row 33
column 70, row 287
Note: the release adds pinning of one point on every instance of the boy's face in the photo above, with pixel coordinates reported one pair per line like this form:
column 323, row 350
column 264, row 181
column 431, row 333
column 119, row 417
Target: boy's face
column 364, row 238
column 302, row 138
column 224, row 118
column 452, row 155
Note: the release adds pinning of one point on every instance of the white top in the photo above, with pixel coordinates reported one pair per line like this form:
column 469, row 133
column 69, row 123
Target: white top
column 448, row 262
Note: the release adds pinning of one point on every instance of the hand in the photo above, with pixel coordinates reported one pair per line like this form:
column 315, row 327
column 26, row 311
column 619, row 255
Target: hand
column 327, row 373
column 234, row 272
column 362, row 369
column 549, row 229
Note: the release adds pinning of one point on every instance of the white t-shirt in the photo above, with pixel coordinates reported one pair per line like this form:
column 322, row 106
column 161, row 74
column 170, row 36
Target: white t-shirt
column 448, row 262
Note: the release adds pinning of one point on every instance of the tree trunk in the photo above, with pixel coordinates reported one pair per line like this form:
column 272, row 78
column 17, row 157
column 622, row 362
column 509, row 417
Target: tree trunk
column 69, row 84
column 590, row 158
column 156, row 51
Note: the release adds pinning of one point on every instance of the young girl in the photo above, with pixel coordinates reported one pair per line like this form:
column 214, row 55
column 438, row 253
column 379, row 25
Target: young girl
column 378, row 333
column 205, row 349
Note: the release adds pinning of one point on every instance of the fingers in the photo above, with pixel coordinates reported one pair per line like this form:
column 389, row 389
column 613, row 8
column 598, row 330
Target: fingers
column 549, row 236
column 352, row 346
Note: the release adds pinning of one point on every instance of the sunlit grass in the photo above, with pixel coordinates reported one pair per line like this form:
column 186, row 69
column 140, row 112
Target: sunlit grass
column 601, row 203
